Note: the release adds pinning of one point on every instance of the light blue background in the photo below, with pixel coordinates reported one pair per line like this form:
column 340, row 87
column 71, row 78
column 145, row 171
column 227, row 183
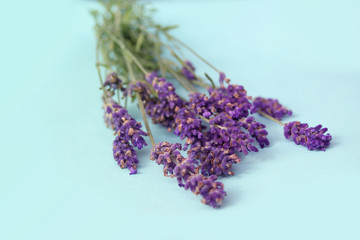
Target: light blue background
column 58, row 179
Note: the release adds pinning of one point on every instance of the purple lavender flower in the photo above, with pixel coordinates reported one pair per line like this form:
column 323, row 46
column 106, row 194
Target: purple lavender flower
column 227, row 133
column 164, row 108
column 188, row 126
column 186, row 173
column 231, row 99
column 151, row 76
column 212, row 191
column 310, row 137
column 272, row 107
column 126, row 127
column 184, row 170
column 125, row 155
column 201, row 104
column 113, row 81
column 187, row 73
column 214, row 159
column 168, row 155
column 256, row 130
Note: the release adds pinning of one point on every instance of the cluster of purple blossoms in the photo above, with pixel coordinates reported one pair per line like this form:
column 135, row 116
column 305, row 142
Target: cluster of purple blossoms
column 271, row 107
column 256, row 130
column 113, row 81
column 227, row 133
column 125, row 155
column 188, row 126
column 211, row 190
column 127, row 130
column 213, row 160
column 186, row 72
column 187, row 175
column 227, row 109
column 231, row 100
column 163, row 108
column 168, row 155
column 313, row 138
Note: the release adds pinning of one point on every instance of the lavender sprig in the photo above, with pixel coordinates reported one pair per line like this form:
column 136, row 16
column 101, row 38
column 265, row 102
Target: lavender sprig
column 314, row 138
column 185, row 171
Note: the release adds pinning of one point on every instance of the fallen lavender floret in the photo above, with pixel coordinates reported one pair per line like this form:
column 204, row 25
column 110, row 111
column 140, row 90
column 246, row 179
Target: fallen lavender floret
column 311, row 137
column 187, row 175
column 186, row 72
column 271, row 107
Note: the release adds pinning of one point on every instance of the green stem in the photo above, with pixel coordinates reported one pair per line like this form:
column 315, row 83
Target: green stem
column 140, row 102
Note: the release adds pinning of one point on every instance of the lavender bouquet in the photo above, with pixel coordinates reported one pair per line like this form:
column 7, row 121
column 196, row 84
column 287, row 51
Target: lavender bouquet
column 217, row 125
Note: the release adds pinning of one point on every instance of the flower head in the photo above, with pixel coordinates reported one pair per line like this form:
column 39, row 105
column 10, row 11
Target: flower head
column 125, row 155
column 168, row 155
column 188, row 126
column 164, row 108
column 272, row 107
column 126, row 127
column 310, row 137
column 256, row 130
column 211, row 190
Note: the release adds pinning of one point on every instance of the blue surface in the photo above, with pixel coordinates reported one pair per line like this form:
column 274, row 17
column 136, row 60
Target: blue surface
column 58, row 179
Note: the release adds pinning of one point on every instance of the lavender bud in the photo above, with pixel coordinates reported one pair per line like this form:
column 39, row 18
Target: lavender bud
column 310, row 137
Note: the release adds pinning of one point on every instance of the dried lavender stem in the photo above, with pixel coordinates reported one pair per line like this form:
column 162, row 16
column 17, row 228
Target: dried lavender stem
column 143, row 114
column 207, row 120
column 192, row 51
column 270, row 117
column 125, row 50
column 99, row 71
column 190, row 88
column 141, row 104
column 171, row 51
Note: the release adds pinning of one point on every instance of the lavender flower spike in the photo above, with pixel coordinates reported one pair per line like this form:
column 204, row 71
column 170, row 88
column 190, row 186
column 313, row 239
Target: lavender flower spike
column 187, row 73
column 271, row 107
column 127, row 127
column 125, row 155
column 187, row 174
column 311, row 137
column 212, row 192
